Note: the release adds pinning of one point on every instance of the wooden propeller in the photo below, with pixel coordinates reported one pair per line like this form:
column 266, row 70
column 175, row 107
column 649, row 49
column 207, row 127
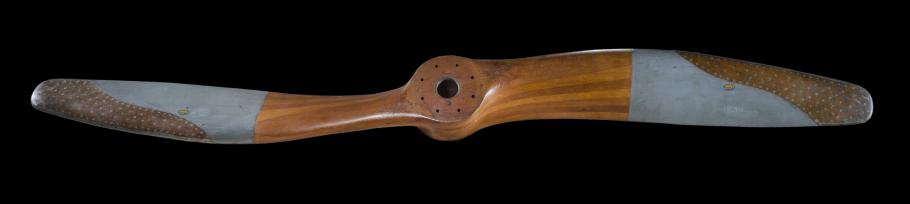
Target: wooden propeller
column 451, row 97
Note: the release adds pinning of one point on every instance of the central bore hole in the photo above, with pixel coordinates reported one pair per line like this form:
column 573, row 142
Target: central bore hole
column 447, row 88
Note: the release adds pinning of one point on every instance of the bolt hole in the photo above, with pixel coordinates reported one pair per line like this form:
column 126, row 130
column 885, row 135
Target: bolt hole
column 421, row 79
column 437, row 110
column 472, row 76
column 472, row 95
column 456, row 65
column 421, row 98
column 436, row 66
column 459, row 110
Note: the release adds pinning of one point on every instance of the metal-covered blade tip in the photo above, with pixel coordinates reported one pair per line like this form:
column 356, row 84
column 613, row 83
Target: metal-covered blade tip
column 866, row 105
column 825, row 101
column 839, row 103
column 83, row 101
column 37, row 98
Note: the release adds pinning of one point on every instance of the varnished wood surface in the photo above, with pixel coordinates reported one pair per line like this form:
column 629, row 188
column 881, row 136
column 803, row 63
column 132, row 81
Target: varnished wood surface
column 582, row 85
column 585, row 85
column 289, row 116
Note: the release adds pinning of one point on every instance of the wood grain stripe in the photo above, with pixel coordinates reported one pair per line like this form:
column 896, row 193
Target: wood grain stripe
column 588, row 85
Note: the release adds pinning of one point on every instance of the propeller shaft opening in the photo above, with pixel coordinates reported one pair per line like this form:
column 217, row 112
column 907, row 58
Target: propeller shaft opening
column 447, row 88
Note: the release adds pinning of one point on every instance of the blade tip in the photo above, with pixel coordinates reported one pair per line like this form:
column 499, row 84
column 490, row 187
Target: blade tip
column 40, row 96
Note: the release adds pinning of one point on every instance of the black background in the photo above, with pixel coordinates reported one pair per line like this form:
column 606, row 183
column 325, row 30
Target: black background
column 343, row 52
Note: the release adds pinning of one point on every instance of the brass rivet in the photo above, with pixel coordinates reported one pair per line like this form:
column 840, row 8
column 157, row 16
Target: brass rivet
column 183, row 111
column 729, row 86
